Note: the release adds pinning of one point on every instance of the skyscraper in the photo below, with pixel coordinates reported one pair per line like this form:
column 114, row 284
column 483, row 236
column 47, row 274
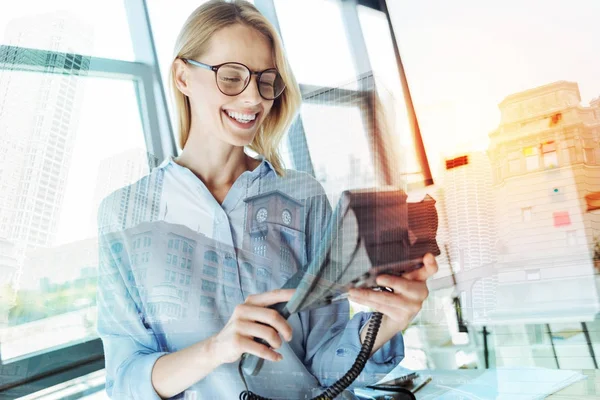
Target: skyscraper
column 468, row 210
column 38, row 124
column 119, row 171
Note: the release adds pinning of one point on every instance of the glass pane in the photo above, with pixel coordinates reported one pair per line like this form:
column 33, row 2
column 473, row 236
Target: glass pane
column 284, row 151
column 91, row 28
column 532, row 163
column 69, row 141
column 318, row 52
column 387, row 78
column 88, row 387
column 338, row 145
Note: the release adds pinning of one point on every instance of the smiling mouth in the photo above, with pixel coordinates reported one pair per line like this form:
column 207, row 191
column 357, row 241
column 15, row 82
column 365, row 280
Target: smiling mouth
column 242, row 120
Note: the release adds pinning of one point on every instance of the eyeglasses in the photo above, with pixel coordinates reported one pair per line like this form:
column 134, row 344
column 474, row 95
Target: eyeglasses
column 233, row 78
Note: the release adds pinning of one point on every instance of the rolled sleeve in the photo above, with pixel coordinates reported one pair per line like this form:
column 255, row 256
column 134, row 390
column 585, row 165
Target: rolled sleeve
column 130, row 346
column 132, row 378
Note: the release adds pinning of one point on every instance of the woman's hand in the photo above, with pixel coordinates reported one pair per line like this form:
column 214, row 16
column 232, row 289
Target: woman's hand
column 400, row 307
column 249, row 320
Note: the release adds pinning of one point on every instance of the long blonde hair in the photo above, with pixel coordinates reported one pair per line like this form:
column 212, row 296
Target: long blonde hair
column 192, row 42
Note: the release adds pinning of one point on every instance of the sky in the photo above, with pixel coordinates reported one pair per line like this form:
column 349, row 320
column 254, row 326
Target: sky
column 464, row 57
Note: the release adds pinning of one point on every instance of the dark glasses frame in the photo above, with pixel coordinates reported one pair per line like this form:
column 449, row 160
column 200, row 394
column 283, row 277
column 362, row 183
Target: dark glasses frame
column 215, row 69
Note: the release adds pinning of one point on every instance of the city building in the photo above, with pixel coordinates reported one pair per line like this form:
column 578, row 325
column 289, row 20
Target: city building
column 38, row 122
column 137, row 202
column 545, row 155
column 9, row 276
column 468, row 227
column 119, row 171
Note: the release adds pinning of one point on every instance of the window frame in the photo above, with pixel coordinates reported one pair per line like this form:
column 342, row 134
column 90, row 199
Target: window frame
column 50, row 367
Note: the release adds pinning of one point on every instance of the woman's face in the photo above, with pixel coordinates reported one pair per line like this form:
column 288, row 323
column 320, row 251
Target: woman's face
column 212, row 111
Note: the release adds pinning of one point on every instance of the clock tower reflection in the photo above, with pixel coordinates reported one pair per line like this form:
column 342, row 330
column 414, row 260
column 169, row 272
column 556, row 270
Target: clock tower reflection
column 274, row 232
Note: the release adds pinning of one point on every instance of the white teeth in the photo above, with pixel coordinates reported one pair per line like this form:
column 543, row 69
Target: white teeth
column 241, row 117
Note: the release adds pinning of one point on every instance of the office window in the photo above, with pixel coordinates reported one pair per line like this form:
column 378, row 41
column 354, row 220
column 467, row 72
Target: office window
column 319, row 55
column 341, row 128
column 212, row 256
column 589, row 156
column 230, row 277
column 263, row 273
column 569, row 155
column 209, row 286
column 247, row 268
column 89, row 28
column 232, row 294
column 532, row 159
column 533, row 275
column 514, row 166
column 81, row 180
column 382, row 57
column 261, row 287
column 286, row 268
column 549, row 155
column 230, row 262
column 208, row 270
column 260, row 250
column 116, row 247
column 498, row 170
column 207, row 301
column 526, row 214
column 561, row 218
column 571, row 238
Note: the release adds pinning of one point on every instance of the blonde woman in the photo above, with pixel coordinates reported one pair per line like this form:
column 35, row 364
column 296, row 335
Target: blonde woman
column 191, row 255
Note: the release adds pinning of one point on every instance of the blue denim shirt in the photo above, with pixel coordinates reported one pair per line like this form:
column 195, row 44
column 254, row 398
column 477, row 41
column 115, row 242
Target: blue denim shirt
column 174, row 263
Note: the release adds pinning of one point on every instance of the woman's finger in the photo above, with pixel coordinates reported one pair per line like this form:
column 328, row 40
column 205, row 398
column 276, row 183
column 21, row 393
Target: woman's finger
column 395, row 301
column 270, row 298
column 266, row 316
column 416, row 290
column 429, row 269
column 398, row 314
column 261, row 331
column 258, row 349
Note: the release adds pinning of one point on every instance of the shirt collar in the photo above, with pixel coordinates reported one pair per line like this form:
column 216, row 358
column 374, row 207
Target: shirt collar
column 262, row 170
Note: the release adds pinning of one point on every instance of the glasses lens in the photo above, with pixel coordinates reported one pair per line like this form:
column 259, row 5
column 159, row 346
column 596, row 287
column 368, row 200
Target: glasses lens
column 232, row 79
column 271, row 84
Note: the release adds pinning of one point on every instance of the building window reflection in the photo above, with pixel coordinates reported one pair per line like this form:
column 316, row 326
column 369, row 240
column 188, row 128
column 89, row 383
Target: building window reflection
column 211, row 255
